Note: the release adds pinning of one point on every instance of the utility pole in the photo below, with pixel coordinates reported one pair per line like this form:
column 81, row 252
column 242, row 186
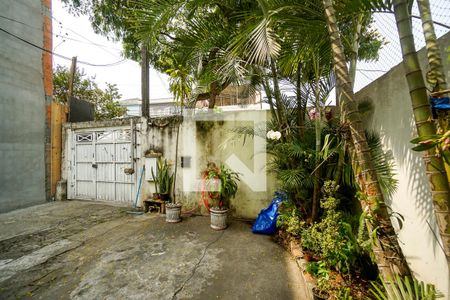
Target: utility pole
column 73, row 69
column 145, row 78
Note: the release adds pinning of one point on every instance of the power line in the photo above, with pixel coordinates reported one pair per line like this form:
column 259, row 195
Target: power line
column 83, row 37
column 59, row 55
column 80, row 41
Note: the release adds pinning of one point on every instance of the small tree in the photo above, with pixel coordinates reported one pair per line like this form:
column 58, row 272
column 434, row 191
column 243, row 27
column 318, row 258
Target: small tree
column 85, row 88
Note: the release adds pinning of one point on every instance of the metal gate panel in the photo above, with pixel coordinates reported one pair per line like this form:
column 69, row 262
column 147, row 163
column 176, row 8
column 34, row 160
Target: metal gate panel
column 105, row 192
column 85, row 190
column 105, row 172
column 100, row 157
column 123, row 190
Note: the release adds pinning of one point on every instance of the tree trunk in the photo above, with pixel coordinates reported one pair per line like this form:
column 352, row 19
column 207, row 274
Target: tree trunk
column 436, row 74
column 386, row 249
column 284, row 128
column 212, row 95
column 268, row 91
column 355, row 48
column 300, row 107
column 435, row 169
column 318, row 134
column 436, row 77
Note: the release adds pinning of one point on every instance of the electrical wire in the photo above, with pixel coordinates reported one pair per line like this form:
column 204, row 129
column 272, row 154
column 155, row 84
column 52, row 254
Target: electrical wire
column 62, row 56
column 85, row 38
column 64, row 37
column 80, row 41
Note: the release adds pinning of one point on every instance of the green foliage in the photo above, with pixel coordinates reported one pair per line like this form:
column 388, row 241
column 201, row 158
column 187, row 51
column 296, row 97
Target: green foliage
column 332, row 238
column 383, row 164
column 85, row 88
column 321, row 271
column 219, row 183
column 403, row 289
column 344, row 294
column 163, row 178
column 290, row 218
column 440, row 142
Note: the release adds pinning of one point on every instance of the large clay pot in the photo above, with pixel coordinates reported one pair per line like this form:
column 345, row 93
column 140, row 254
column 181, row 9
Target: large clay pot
column 218, row 218
column 173, row 213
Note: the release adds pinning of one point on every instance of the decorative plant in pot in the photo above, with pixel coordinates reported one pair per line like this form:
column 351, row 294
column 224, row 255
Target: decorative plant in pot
column 163, row 184
column 219, row 185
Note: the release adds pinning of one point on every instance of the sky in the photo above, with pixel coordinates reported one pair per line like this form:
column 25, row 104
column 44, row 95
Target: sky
column 74, row 36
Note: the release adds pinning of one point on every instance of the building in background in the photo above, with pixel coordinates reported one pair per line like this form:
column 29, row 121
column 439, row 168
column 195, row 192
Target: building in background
column 232, row 98
column 158, row 107
column 25, row 102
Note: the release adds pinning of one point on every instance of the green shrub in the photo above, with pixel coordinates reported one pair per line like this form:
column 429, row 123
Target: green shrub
column 332, row 238
column 289, row 218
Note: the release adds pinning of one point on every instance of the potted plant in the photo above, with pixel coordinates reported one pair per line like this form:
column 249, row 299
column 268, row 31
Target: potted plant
column 163, row 184
column 219, row 185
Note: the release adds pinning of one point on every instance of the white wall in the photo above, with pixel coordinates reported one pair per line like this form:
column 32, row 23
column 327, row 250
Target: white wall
column 214, row 142
column 393, row 119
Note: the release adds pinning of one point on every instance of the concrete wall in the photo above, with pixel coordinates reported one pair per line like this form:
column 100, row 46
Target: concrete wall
column 393, row 119
column 205, row 138
column 202, row 138
column 22, row 106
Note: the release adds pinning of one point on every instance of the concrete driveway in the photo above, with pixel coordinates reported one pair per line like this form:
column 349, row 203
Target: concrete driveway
column 86, row 250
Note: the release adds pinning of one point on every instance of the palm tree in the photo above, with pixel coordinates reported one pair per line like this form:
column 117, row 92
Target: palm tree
column 386, row 249
column 436, row 75
column 435, row 168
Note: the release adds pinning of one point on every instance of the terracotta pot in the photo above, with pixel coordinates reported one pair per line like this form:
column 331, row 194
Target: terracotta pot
column 307, row 256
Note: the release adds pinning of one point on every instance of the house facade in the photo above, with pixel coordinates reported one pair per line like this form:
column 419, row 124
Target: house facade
column 232, row 98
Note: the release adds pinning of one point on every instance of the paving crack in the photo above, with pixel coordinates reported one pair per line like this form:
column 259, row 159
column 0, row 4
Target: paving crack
column 196, row 266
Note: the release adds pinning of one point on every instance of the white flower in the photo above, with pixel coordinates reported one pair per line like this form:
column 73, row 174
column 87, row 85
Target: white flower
column 273, row 135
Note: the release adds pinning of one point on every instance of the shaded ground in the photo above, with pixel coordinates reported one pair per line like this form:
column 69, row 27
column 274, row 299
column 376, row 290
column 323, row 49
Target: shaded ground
column 84, row 250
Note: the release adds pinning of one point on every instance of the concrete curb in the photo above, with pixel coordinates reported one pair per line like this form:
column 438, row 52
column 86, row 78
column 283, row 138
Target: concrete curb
column 297, row 253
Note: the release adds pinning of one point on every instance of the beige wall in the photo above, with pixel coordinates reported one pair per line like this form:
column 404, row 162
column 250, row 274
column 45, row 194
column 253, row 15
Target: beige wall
column 203, row 139
column 393, row 119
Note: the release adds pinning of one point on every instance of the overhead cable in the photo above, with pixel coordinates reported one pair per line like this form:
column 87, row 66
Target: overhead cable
column 59, row 55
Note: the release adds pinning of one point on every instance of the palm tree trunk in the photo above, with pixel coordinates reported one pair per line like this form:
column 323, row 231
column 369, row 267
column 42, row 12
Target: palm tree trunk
column 386, row 249
column 436, row 75
column 318, row 134
column 355, row 48
column 434, row 57
column 266, row 86
column 352, row 74
column 425, row 126
column 300, row 107
column 284, row 128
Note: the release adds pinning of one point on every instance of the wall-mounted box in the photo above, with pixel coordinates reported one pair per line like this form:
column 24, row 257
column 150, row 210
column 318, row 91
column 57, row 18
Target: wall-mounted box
column 185, row 161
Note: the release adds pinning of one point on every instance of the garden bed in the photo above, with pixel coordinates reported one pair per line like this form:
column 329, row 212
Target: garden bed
column 357, row 287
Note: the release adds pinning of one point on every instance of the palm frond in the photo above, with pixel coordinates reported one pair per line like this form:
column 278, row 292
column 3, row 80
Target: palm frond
column 402, row 289
column 383, row 164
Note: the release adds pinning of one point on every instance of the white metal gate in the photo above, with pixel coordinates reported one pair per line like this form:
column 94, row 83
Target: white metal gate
column 98, row 163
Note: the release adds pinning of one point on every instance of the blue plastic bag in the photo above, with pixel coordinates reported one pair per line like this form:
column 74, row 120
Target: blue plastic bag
column 266, row 222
